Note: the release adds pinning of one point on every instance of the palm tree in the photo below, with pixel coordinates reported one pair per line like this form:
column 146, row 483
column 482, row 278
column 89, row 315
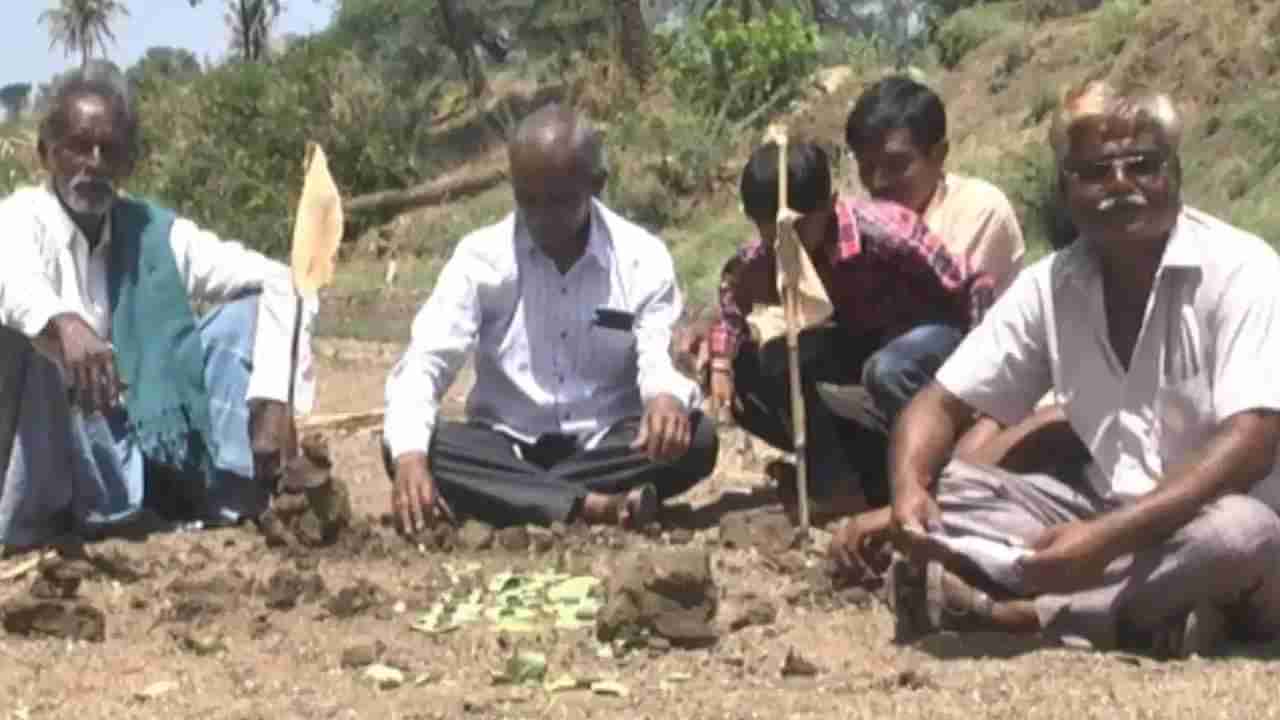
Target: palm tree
column 250, row 22
column 82, row 26
column 633, row 40
column 459, row 26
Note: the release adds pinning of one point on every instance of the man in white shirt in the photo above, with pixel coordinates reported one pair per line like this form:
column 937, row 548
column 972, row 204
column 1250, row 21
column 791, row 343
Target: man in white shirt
column 577, row 412
column 123, row 411
column 1157, row 329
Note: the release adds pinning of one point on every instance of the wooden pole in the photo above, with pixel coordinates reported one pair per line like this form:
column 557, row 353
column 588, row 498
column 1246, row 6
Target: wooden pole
column 790, row 310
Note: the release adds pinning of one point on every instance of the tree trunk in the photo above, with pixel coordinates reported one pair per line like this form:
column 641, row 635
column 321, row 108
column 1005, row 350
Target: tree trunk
column 459, row 35
column 633, row 40
column 429, row 193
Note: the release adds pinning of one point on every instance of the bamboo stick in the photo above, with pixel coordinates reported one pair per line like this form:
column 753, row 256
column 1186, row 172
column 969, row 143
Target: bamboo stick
column 790, row 310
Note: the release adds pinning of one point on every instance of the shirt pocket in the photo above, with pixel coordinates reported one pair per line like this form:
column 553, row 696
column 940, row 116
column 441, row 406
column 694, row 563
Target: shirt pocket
column 1183, row 417
column 611, row 355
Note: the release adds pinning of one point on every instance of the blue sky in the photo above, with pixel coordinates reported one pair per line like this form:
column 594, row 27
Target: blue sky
column 26, row 57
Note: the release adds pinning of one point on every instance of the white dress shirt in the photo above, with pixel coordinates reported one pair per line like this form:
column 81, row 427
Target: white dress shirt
column 542, row 366
column 49, row 269
column 1208, row 347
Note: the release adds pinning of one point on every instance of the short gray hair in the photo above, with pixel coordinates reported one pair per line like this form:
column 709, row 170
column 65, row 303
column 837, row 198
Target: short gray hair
column 563, row 124
column 98, row 78
column 1149, row 110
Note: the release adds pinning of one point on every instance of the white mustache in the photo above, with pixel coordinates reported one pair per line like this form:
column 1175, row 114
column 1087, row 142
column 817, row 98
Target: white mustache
column 1132, row 199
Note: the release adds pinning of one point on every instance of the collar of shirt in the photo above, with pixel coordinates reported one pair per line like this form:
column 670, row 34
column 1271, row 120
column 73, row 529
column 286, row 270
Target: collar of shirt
column 64, row 226
column 1080, row 265
column 863, row 220
column 848, row 242
column 598, row 238
column 938, row 197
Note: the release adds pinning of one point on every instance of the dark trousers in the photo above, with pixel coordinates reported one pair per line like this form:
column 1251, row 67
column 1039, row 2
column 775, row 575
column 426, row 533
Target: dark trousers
column 487, row 475
column 838, row 446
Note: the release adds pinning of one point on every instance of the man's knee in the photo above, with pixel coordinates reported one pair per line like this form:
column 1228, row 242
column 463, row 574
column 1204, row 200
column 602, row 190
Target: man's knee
column 905, row 365
column 1239, row 527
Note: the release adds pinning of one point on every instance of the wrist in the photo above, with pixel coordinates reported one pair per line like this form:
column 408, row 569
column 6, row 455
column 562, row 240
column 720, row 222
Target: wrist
column 410, row 462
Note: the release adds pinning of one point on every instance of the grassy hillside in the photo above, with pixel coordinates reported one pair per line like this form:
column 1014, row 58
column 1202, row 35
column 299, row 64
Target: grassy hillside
column 1219, row 57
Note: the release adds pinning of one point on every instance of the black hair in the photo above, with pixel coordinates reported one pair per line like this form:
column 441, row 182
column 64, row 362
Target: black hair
column 99, row 79
column 808, row 180
column 897, row 102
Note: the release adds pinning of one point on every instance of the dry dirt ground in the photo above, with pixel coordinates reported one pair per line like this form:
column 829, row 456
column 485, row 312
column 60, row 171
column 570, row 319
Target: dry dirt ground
column 217, row 625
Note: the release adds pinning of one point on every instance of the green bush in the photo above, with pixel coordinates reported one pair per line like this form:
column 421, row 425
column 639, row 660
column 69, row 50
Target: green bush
column 1030, row 180
column 1115, row 23
column 227, row 148
column 19, row 165
column 722, row 62
column 967, row 29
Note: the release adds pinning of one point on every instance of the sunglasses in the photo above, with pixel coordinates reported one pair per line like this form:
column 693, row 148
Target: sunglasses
column 1141, row 166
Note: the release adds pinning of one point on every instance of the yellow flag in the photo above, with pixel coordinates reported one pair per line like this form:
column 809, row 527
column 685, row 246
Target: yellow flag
column 794, row 266
column 317, row 227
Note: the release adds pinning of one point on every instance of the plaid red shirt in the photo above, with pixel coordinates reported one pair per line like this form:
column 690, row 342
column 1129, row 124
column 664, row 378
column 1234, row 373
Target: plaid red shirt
column 886, row 273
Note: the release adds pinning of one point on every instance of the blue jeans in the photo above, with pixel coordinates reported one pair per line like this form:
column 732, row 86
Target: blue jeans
column 840, row 447
column 896, row 372
column 71, row 473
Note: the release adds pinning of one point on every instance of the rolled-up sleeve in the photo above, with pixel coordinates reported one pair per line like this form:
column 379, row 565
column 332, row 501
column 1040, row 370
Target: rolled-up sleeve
column 444, row 332
column 655, row 318
column 28, row 297
column 216, row 270
column 1247, row 341
column 1003, row 368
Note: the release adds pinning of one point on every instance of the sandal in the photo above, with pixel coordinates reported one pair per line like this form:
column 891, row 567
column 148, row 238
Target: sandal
column 640, row 508
column 925, row 603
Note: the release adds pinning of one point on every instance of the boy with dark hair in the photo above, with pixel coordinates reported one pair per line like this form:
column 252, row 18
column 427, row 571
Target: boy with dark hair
column 897, row 131
column 901, row 303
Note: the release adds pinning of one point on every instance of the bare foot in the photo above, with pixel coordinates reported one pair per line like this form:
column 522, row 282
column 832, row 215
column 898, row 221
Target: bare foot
column 631, row 510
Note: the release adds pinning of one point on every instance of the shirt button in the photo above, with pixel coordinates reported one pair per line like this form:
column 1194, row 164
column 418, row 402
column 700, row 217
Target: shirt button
column 564, row 334
column 566, row 416
column 564, row 291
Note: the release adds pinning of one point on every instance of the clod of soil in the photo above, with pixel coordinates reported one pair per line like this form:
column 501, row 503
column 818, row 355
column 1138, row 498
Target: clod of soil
column 796, row 665
column 770, row 532
column 286, row 588
column 542, row 539
column 755, row 611
column 513, row 539
column 69, row 620
column 362, row 654
column 355, row 599
column 669, row 592
column 680, row 536
column 475, row 535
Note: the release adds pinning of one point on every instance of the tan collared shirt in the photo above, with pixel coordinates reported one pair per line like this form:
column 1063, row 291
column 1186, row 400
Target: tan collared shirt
column 1207, row 350
column 977, row 223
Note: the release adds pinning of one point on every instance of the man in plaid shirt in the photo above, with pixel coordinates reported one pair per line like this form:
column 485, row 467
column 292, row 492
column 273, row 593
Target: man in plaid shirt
column 902, row 302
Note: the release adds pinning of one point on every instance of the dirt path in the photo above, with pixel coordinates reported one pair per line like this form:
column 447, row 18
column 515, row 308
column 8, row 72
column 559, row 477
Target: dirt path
column 215, row 625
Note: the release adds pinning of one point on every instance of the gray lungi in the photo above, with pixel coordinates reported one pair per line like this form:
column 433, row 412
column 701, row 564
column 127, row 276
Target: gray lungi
column 1228, row 556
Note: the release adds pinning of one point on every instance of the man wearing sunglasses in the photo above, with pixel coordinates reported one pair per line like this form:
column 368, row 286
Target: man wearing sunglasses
column 1157, row 329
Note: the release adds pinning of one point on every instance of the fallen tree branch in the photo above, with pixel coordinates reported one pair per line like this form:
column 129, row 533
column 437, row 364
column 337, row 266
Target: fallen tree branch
column 436, row 192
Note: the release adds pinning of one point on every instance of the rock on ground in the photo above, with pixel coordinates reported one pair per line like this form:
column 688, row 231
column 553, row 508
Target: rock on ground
column 666, row 592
